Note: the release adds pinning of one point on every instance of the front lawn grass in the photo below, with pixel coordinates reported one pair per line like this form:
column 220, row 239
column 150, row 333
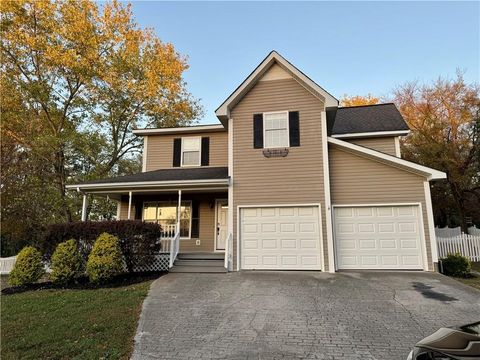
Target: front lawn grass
column 474, row 279
column 71, row 323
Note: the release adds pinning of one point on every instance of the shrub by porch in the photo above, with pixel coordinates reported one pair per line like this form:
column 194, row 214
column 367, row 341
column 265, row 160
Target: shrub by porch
column 139, row 241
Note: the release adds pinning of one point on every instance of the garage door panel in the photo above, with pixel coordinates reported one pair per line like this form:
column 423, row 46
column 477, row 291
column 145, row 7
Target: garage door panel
column 366, row 241
column 285, row 238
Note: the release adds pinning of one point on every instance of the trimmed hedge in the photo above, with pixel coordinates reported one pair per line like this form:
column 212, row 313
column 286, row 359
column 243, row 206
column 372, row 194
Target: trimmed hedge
column 28, row 268
column 456, row 265
column 67, row 263
column 138, row 240
column 105, row 259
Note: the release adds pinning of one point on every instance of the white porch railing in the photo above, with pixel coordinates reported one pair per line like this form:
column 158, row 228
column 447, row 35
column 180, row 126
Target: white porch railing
column 6, row 264
column 229, row 252
column 168, row 230
column 464, row 244
column 174, row 248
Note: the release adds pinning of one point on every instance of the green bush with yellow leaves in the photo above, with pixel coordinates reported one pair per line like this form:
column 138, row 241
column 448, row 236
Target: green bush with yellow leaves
column 105, row 260
column 28, row 268
column 66, row 263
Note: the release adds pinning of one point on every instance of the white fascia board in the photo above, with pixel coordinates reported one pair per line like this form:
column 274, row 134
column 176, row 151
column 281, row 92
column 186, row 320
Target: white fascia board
column 148, row 184
column 430, row 173
column 185, row 129
column 371, row 134
column 223, row 110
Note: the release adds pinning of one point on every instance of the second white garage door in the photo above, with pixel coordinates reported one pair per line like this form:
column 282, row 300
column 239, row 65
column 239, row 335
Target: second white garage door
column 378, row 237
column 280, row 238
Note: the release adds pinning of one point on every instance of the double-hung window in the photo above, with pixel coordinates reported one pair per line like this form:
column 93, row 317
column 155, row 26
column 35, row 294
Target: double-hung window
column 275, row 127
column 191, row 148
column 165, row 214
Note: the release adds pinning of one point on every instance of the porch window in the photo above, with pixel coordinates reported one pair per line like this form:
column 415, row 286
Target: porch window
column 191, row 147
column 276, row 129
column 165, row 214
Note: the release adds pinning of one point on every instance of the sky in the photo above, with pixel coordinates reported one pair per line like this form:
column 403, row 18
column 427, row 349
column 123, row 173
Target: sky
column 353, row 48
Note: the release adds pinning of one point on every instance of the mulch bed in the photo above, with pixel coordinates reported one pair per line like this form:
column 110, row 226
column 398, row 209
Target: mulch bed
column 83, row 283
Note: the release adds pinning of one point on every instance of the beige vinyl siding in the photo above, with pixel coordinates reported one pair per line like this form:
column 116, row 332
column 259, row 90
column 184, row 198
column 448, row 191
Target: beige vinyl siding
column 358, row 180
column 383, row 144
column 206, row 231
column 160, row 149
column 294, row 179
column 124, row 210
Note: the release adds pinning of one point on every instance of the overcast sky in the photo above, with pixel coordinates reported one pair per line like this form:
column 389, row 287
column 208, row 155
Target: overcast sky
column 351, row 48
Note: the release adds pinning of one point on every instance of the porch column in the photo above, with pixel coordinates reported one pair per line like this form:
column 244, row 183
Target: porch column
column 84, row 207
column 179, row 210
column 129, row 205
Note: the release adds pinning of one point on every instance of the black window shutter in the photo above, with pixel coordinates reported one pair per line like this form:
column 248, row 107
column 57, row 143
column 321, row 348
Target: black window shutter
column 294, row 128
column 257, row 131
column 205, row 151
column 177, row 152
column 195, row 219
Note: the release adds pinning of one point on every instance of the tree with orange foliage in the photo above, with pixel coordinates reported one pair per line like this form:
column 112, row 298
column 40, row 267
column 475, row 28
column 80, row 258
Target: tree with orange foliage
column 444, row 118
column 359, row 100
column 76, row 78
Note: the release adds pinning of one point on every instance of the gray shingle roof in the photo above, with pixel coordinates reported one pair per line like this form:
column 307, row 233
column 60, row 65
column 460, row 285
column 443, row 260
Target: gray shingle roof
column 367, row 118
column 204, row 173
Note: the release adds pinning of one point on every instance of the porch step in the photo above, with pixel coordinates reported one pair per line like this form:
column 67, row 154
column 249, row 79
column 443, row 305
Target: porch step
column 201, row 256
column 201, row 262
column 198, row 269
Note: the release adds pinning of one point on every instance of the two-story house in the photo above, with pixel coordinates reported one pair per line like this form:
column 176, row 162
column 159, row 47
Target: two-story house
column 287, row 180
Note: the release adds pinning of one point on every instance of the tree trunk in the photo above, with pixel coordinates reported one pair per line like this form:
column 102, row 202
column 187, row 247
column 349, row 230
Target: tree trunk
column 60, row 174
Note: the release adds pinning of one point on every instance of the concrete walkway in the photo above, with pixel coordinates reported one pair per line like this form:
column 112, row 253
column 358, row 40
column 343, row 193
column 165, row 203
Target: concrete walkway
column 298, row 315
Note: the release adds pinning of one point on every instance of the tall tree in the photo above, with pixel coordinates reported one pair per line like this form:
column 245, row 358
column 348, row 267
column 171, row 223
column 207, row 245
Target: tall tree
column 358, row 100
column 76, row 78
column 445, row 120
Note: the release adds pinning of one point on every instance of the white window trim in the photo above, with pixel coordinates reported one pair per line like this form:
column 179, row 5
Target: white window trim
column 168, row 202
column 199, row 151
column 264, row 130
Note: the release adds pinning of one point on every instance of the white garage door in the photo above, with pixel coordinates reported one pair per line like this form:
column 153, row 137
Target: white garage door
column 378, row 237
column 280, row 238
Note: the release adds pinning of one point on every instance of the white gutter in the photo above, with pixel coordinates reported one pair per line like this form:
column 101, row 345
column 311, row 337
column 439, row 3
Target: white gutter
column 371, row 134
column 148, row 184
column 184, row 129
column 431, row 174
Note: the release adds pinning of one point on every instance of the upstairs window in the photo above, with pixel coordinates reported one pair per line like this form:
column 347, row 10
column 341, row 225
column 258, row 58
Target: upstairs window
column 191, row 149
column 275, row 127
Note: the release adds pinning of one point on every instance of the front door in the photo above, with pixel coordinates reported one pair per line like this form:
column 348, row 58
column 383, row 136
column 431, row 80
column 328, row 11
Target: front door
column 222, row 225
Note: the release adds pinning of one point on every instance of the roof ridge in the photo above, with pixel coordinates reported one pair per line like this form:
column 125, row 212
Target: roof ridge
column 357, row 106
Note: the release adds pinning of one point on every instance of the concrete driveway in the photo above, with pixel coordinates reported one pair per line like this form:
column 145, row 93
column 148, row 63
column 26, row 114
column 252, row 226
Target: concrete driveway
column 298, row 315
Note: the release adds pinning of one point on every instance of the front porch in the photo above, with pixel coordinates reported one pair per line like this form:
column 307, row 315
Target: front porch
column 201, row 218
column 192, row 212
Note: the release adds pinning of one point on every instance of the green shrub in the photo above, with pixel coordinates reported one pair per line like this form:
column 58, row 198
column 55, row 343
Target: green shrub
column 28, row 268
column 456, row 265
column 138, row 239
column 105, row 259
column 67, row 263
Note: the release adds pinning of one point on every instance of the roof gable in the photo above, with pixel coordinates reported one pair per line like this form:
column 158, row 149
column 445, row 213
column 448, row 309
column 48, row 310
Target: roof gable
column 276, row 60
column 429, row 173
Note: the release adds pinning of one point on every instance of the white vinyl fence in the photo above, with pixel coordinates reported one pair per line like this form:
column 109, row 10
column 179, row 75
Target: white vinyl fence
column 464, row 244
column 6, row 264
column 447, row 232
column 474, row 231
